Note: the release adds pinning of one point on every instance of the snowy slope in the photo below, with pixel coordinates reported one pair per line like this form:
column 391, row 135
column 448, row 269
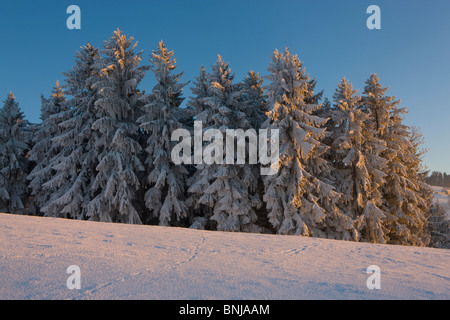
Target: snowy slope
column 148, row 262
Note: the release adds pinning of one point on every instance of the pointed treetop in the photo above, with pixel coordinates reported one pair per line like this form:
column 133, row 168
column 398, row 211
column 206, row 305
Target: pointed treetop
column 289, row 65
column 123, row 38
column 11, row 114
column 344, row 93
column 200, row 88
column 378, row 103
column 221, row 72
column 79, row 78
column 287, row 58
column 55, row 104
column 119, row 52
column 58, row 93
column 10, row 101
column 163, row 52
column 163, row 57
column 373, row 86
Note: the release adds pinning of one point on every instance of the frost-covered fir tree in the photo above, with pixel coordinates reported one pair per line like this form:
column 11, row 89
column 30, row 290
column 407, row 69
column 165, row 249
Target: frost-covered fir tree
column 117, row 186
column 199, row 216
column 297, row 200
column 416, row 142
column 358, row 167
column 43, row 149
column 254, row 105
column 254, row 99
column 73, row 167
column 378, row 104
column 165, row 197
column 200, row 91
column 13, row 158
column 439, row 227
column 226, row 191
column 404, row 198
column 419, row 170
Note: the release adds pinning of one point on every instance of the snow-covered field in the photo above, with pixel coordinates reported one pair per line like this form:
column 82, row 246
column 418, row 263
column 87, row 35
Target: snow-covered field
column 441, row 196
column 148, row 262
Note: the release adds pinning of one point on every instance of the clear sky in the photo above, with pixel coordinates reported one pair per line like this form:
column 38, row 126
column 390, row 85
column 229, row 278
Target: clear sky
column 411, row 52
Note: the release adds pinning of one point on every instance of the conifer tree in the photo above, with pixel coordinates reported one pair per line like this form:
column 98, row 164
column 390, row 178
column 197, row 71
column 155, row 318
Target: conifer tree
column 199, row 217
column 166, row 195
column 438, row 227
column 358, row 167
column 117, row 186
column 227, row 192
column 418, row 170
column 404, row 199
column 254, row 105
column 378, row 104
column 13, row 157
column 43, row 149
column 254, row 102
column 73, row 167
column 296, row 199
column 200, row 91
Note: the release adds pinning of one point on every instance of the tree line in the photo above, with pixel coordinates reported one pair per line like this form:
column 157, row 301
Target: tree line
column 349, row 168
column 439, row 179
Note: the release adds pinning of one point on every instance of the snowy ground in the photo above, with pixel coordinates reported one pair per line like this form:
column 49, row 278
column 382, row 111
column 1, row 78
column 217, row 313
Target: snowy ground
column 441, row 195
column 148, row 262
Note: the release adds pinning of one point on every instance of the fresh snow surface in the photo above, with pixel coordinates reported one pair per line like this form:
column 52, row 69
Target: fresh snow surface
column 123, row 262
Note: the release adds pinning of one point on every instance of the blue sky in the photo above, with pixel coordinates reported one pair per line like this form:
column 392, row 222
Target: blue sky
column 411, row 52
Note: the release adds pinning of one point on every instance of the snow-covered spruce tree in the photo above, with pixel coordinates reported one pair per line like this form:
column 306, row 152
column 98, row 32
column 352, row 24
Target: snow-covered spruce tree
column 13, row 158
column 296, row 199
column 199, row 214
column 419, row 170
column 165, row 197
column 43, row 149
column 227, row 191
column 378, row 104
column 254, row 100
column 438, row 227
column 404, row 200
column 358, row 167
column 117, row 186
column 73, row 167
column 200, row 91
column 254, row 105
